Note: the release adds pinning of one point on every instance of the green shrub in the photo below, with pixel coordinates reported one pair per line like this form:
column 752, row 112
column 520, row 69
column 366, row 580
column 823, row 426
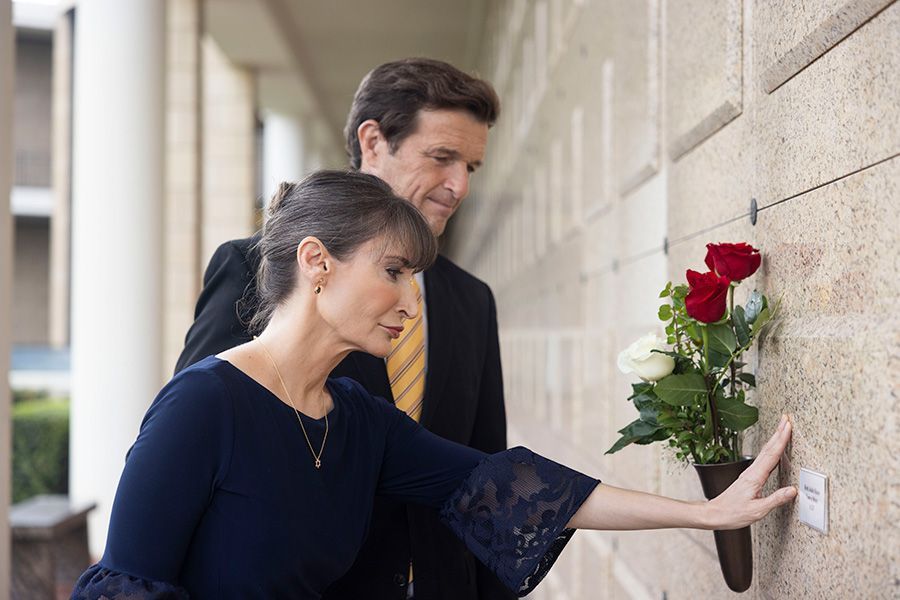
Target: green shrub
column 28, row 395
column 40, row 453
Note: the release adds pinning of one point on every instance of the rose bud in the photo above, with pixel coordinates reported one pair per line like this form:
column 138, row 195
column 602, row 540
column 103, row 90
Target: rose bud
column 707, row 297
column 734, row 261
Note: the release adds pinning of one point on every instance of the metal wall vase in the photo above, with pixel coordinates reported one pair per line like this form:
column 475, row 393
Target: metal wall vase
column 734, row 547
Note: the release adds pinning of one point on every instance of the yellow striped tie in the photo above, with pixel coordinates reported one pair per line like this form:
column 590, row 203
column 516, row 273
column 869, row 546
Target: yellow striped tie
column 406, row 363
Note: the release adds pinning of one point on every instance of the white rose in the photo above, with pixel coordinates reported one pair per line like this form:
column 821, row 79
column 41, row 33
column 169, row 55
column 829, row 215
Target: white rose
column 640, row 359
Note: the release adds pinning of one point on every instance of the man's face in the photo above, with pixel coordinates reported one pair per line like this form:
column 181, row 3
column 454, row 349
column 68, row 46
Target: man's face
column 431, row 166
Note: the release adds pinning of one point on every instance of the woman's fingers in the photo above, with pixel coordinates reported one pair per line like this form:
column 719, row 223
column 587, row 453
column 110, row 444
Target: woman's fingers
column 741, row 505
column 770, row 454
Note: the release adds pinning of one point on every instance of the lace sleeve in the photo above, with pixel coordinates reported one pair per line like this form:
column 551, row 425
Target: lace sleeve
column 100, row 583
column 512, row 512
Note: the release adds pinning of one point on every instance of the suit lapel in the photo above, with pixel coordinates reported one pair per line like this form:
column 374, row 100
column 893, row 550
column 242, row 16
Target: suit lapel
column 441, row 316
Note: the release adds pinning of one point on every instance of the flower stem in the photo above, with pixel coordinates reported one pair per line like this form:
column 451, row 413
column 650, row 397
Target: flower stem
column 710, row 389
column 733, row 444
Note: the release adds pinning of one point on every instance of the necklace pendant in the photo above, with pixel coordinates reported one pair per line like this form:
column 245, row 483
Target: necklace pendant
column 318, row 463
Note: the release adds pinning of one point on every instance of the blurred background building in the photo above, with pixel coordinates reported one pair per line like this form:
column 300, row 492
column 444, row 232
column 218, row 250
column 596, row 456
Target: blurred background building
column 136, row 136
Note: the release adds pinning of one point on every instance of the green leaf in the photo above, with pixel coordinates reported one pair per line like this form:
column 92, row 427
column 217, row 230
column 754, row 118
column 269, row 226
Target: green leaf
column 647, row 406
column 665, row 312
column 717, row 359
column 667, row 291
column 680, row 291
column 721, row 338
column 639, row 428
column 650, row 414
column 659, row 436
column 740, row 326
column 621, row 443
column 680, row 390
column 693, row 332
column 761, row 321
column 667, row 419
column 748, row 378
column 640, row 388
column 735, row 414
column 643, row 400
column 631, row 433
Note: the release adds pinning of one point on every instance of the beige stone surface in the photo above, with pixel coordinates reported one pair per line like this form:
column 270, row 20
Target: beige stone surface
column 829, row 238
column 60, row 221
column 794, row 34
column 840, row 293
column 641, row 221
column 183, row 271
column 703, row 69
column 228, row 164
column 838, row 115
column 712, row 184
column 636, row 91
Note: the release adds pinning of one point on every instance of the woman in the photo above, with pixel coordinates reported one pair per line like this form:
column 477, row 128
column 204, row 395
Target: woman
column 253, row 474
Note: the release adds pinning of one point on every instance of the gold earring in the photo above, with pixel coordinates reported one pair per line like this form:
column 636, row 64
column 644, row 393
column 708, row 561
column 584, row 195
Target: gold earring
column 318, row 288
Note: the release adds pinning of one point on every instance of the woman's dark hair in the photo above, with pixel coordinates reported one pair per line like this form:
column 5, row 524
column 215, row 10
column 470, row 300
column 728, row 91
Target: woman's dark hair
column 395, row 92
column 344, row 210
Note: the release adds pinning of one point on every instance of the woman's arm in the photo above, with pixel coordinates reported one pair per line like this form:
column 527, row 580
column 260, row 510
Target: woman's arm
column 613, row 508
column 181, row 453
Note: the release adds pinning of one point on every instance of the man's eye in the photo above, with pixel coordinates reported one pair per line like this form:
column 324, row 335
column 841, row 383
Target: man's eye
column 442, row 159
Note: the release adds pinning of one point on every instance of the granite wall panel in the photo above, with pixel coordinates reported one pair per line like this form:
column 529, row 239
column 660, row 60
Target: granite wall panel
column 704, row 62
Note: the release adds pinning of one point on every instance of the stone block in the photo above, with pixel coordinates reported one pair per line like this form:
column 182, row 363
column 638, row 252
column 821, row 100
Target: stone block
column 794, row 34
column 703, row 70
column 641, row 221
column 711, row 184
column 839, row 115
column 636, row 92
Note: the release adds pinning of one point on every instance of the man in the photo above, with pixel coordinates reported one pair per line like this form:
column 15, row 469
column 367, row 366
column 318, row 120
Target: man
column 420, row 125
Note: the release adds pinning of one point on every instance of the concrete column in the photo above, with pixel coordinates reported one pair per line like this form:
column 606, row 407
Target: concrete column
column 116, row 241
column 60, row 222
column 284, row 146
column 229, row 150
column 6, row 233
column 181, row 238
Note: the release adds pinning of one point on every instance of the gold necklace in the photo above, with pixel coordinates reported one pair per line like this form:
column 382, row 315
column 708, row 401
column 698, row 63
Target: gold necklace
column 317, row 457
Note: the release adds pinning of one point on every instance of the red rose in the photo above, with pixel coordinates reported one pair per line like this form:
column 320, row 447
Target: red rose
column 734, row 261
column 706, row 300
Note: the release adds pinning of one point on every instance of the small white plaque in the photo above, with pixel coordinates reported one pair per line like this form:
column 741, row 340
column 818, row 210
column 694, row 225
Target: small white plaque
column 814, row 500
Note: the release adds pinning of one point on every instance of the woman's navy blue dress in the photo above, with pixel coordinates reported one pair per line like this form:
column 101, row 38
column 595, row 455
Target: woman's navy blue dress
column 220, row 499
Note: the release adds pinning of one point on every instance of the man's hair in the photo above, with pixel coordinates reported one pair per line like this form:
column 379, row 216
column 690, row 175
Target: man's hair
column 395, row 92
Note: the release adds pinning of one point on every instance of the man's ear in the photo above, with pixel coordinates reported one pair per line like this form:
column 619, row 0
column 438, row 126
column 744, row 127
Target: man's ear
column 372, row 144
column 313, row 260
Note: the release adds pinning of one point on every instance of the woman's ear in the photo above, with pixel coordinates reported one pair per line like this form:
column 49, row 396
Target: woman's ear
column 312, row 260
column 372, row 144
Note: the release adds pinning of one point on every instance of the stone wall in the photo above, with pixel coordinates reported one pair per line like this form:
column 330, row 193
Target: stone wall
column 633, row 133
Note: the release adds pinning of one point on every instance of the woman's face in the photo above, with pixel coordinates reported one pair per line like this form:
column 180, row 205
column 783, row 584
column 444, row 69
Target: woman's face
column 367, row 298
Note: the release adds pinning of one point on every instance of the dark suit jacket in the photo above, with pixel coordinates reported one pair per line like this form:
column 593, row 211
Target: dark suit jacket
column 463, row 402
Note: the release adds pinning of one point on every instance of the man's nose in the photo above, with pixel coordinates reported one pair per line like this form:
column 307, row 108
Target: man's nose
column 458, row 181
